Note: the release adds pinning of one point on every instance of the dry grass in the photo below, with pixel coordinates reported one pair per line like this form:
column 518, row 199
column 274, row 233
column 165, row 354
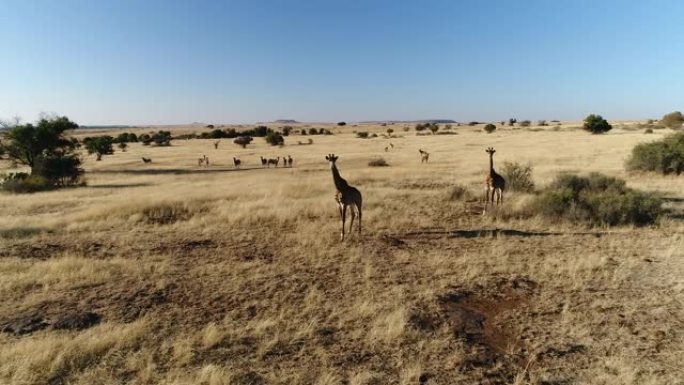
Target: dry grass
column 224, row 276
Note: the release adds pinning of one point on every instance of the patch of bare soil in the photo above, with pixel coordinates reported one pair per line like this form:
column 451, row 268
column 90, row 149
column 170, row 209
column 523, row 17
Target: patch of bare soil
column 485, row 318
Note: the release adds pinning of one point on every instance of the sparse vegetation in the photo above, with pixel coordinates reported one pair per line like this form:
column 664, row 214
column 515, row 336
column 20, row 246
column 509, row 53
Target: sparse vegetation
column 596, row 124
column 598, row 200
column 518, row 177
column 663, row 156
column 341, row 123
column 489, row 128
column 525, row 123
column 362, row 134
column 274, row 139
column 378, row 162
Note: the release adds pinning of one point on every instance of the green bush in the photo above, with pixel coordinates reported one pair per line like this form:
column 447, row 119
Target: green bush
column 362, row 134
column 598, row 200
column 665, row 156
column 243, row 141
column 489, row 128
column 379, row 162
column 274, row 139
column 596, row 124
column 28, row 184
column 518, row 177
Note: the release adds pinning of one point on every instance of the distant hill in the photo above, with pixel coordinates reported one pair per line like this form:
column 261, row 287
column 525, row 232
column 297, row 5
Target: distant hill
column 285, row 121
column 105, row 127
column 441, row 121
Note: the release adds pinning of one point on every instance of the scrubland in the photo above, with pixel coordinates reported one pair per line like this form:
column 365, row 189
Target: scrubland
column 224, row 275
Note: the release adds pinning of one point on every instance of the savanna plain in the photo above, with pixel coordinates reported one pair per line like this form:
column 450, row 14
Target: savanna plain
column 224, row 275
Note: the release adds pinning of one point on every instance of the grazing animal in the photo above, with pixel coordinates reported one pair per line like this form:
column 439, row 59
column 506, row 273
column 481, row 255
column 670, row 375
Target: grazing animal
column 273, row 162
column 424, row 156
column 494, row 183
column 216, row 144
column 236, row 162
column 391, row 145
column 289, row 161
column 146, row 160
column 263, row 161
column 200, row 162
column 346, row 196
column 386, row 149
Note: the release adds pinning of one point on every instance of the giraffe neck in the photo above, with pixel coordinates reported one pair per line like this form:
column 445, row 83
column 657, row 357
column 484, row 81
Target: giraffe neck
column 340, row 183
column 491, row 164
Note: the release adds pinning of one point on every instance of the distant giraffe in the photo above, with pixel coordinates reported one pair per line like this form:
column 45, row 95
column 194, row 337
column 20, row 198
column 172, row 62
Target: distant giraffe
column 346, row 196
column 236, row 162
column 494, row 183
column 146, row 160
column 216, row 144
column 424, row 156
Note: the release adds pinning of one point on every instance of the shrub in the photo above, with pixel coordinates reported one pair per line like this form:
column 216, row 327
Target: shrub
column 243, row 141
column 275, row 139
column 434, row 128
column 390, row 131
column 518, row 177
column 406, row 128
column 489, row 128
column 362, row 134
column 673, row 120
column 512, row 121
column 161, row 138
column 596, row 124
column 460, row 192
column 100, row 145
column 542, row 123
column 146, row 139
column 597, row 199
column 313, row 131
column 28, row 184
column 421, row 127
column 379, row 162
column 648, row 131
column 287, row 130
column 525, row 123
column 341, row 123
column 665, row 156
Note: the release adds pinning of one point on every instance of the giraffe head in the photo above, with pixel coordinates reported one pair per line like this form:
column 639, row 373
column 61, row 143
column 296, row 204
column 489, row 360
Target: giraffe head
column 331, row 158
column 490, row 150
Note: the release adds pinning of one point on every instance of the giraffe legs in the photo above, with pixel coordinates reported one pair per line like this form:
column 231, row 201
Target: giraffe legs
column 352, row 211
column 344, row 218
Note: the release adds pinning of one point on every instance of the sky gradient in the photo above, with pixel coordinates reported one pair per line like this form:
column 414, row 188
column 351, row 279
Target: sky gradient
column 176, row 62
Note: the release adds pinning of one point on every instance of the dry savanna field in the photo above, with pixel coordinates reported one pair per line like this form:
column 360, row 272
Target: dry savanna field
column 170, row 273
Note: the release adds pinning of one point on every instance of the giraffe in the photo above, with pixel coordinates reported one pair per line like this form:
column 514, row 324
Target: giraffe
column 346, row 196
column 494, row 183
column 424, row 156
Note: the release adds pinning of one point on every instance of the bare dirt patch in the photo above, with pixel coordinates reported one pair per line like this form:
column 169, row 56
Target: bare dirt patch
column 484, row 318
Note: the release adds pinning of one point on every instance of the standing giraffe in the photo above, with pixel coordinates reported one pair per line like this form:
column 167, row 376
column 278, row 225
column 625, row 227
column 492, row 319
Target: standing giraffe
column 424, row 156
column 494, row 183
column 346, row 196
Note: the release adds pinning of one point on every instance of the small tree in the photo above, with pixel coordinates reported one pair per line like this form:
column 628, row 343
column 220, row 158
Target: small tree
column 512, row 121
column 162, row 138
column 390, row 131
column 243, row 141
column 45, row 149
column 489, row 128
column 673, row 120
column 434, row 128
column 274, row 139
column 341, row 123
column 542, row 123
column 99, row 145
column 287, row 130
column 596, row 124
column 122, row 146
column 525, row 123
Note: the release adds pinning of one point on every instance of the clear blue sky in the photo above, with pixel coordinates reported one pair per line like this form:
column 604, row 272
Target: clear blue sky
column 166, row 62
